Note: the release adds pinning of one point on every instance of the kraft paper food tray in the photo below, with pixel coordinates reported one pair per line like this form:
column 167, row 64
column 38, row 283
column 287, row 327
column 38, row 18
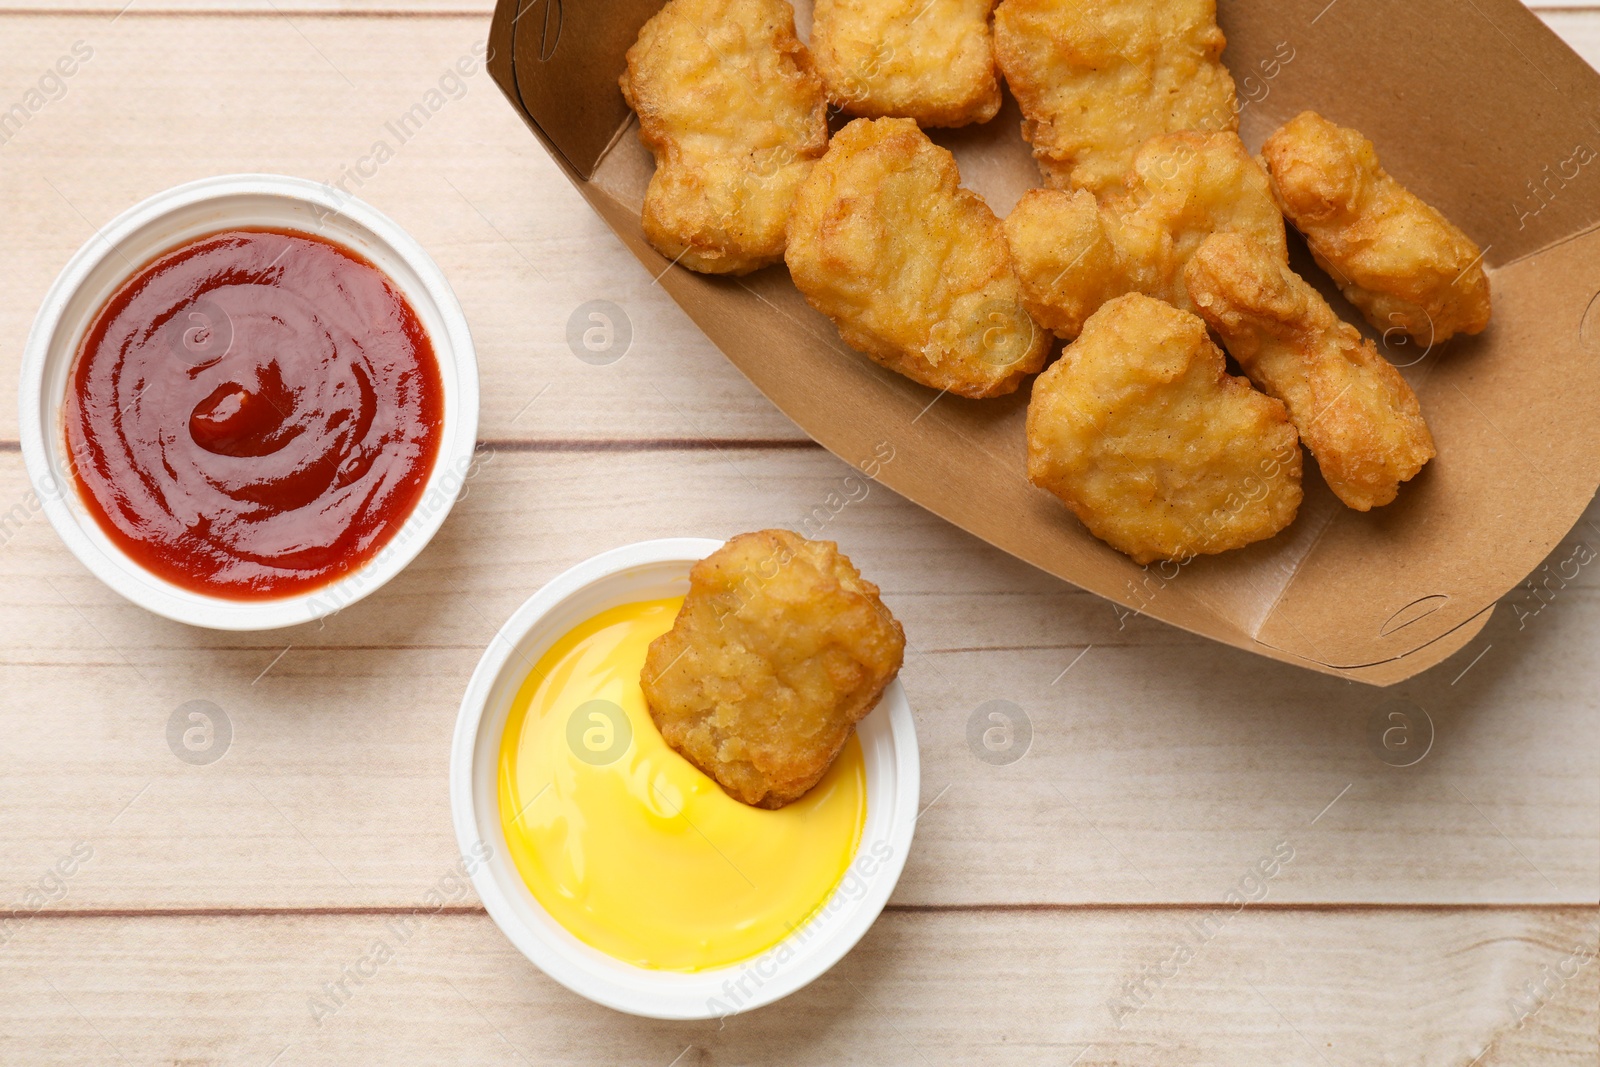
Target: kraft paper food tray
column 1476, row 106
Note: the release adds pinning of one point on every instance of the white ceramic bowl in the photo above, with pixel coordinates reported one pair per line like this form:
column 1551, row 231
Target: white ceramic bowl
column 646, row 571
column 174, row 218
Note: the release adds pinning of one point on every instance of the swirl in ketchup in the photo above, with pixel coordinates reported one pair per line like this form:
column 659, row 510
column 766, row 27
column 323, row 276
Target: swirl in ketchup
column 254, row 414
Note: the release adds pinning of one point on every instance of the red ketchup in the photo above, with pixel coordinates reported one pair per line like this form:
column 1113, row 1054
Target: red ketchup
column 254, row 414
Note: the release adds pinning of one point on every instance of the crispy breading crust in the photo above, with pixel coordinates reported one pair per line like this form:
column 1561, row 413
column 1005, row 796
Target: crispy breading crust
column 1395, row 257
column 1160, row 452
column 928, row 60
column 1073, row 254
column 734, row 113
column 1097, row 79
column 911, row 267
column 1354, row 411
column 1065, row 257
column 780, row 648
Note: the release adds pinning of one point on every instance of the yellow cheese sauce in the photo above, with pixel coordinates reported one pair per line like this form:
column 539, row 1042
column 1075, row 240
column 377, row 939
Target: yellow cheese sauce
column 629, row 846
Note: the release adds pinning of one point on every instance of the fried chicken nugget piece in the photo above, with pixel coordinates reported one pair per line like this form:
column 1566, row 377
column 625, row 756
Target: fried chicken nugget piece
column 780, row 648
column 1160, row 452
column 1354, row 411
column 1396, row 258
column 735, row 115
column 1066, row 257
column 928, row 60
column 1097, row 78
column 911, row 267
column 1073, row 253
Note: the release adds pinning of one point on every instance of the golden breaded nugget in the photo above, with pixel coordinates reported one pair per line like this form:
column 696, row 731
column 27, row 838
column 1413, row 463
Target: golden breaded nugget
column 1097, row 78
column 928, row 60
column 1395, row 257
column 780, row 648
column 1073, row 254
column 1354, row 411
column 1161, row 453
column 911, row 267
column 735, row 116
column 1065, row 257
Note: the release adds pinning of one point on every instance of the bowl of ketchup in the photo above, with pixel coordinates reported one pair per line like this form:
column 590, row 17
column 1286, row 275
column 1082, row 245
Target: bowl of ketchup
column 249, row 402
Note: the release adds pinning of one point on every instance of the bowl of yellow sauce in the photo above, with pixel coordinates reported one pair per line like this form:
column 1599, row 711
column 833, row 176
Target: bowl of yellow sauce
column 615, row 865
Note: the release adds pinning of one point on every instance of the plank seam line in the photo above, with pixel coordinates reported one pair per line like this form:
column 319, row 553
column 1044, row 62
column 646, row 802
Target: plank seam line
column 245, row 13
column 474, row 909
column 478, row 650
column 587, row 445
column 654, row 444
column 1264, row 905
column 426, row 13
column 475, row 650
column 402, row 13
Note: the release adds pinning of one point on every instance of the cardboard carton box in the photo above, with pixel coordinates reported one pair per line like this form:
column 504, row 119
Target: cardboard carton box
column 1478, row 108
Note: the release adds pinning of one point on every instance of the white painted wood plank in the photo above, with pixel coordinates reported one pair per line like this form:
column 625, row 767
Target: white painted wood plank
column 312, row 98
column 1161, row 766
column 1421, row 989
column 1578, row 24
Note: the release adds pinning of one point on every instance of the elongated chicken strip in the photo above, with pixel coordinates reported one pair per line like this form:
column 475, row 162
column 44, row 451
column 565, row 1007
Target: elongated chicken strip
column 735, row 115
column 1097, row 78
column 1354, row 411
column 1162, row 454
column 1074, row 253
column 1393, row 256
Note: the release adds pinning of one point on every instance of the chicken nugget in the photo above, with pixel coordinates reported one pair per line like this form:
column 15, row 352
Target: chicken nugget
column 1065, row 257
column 1354, row 411
column 1160, row 452
column 1096, row 80
column 1073, row 253
column 735, row 115
column 1396, row 258
column 928, row 60
column 780, row 648
column 911, row 267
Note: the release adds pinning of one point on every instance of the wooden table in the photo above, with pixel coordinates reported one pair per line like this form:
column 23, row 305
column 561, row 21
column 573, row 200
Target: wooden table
column 1070, row 906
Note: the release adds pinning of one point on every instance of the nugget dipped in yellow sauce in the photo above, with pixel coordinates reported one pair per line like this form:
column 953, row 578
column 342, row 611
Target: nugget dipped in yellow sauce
column 780, row 648
column 1097, row 78
column 928, row 60
column 732, row 109
column 1074, row 253
column 1356, row 414
column 912, row 268
column 1162, row 454
column 1395, row 257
